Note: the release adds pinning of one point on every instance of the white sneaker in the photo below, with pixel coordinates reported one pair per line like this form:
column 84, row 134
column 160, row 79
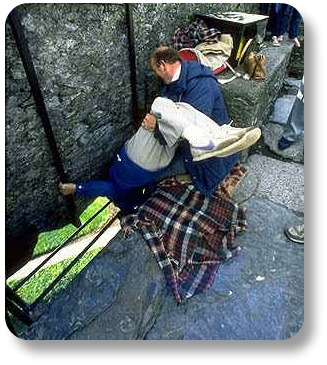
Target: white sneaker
column 295, row 233
column 228, row 130
column 228, row 145
column 296, row 42
column 275, row 41
column 216, row 136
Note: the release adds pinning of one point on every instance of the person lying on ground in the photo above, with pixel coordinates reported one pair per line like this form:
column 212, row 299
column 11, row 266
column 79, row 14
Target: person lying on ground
column 143, row 158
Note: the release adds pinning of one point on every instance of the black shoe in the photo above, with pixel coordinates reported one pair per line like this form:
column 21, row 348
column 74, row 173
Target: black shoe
column 284, row 143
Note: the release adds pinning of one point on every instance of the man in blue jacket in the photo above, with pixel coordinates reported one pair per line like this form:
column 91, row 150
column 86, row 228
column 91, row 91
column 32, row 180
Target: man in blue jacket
column 193, row 83
column 143, row 158
column 136, row 165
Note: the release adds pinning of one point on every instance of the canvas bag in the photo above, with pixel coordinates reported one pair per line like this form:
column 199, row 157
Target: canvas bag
column 211, row 54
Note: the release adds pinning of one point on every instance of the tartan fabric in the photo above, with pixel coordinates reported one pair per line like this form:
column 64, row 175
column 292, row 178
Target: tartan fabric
column 191, row 35
column 189, row 234
column 208, row 34
column 188, row 36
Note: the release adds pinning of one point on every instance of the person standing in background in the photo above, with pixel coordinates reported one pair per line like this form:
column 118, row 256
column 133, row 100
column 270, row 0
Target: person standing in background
column 294, row 129
column 285, row 18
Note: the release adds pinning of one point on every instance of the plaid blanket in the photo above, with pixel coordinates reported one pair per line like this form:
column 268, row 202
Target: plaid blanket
column 188, row 233
column 188, row 36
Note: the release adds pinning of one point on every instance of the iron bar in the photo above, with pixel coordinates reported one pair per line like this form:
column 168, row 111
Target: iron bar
column 16, row 306
column 12, row 308
column 22, row 46
column 55, row 251
column 132, row 62
column 69, row 267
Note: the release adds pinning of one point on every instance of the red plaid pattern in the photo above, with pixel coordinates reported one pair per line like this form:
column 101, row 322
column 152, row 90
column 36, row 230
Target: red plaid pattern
column 189, row 234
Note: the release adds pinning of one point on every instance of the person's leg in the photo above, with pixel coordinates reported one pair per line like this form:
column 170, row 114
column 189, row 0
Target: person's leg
column 171, row 120
column 127, row 175
column 295, row 127
column 277, row 20
column 181, row 120
column 264, row 8
column 93, row 188
column 284, row 19
column 176, row 167
column 124, row 185
column 295, row 124
column 208, row 139
column 294, row 27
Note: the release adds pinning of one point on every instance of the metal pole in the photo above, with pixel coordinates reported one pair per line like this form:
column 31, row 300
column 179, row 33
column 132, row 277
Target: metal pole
column 26, row 58
column 132, row 61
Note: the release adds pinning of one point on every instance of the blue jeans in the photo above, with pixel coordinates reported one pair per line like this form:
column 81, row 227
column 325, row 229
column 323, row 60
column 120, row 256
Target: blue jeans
column 295, row 124
column 288, row 19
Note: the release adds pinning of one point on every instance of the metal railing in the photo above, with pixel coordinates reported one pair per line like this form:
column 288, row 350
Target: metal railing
column 15, row 305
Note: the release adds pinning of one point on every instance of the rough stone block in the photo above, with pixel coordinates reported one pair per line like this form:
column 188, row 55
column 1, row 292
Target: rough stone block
column 250, row 102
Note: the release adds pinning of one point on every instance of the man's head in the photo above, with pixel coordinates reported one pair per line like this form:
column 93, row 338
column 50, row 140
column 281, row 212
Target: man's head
column 164, row 62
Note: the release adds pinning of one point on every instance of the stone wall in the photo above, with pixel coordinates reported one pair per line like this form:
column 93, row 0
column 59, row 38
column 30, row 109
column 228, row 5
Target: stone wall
column 250, row 102
column 81, row 57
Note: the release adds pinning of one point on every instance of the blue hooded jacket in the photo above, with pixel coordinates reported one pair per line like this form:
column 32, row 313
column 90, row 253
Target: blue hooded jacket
column 198, row 86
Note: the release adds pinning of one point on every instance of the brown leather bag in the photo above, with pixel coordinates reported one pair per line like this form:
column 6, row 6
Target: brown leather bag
column 255, row 66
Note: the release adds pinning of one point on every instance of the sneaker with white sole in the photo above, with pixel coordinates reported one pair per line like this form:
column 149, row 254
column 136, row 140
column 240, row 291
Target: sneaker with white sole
column 274, row 41
column 295, row 233
column 227, row 145
column 202, row 138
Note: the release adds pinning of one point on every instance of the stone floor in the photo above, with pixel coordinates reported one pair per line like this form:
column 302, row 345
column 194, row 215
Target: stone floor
column 258, row 295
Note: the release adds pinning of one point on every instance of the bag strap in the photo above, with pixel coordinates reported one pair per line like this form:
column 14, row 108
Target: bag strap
column 244, row 50
column 257, row 63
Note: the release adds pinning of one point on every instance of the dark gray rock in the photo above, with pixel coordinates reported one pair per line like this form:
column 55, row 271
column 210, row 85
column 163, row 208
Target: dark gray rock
column 121, row 294
column 117, row 296
column 81, row 58
column 242, row 96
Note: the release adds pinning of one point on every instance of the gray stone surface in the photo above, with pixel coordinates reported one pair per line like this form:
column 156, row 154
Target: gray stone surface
column 242, row 95
column 81, row 57
column 257, row 295
column 289, row 177
column 272, row 132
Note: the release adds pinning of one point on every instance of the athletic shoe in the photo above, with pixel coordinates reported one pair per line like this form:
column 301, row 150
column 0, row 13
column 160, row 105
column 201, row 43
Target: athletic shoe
column 295, row 233
column 228, row 146
column 274, row 41
column 296, row 42
column 284, row 143
column 202, row 139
